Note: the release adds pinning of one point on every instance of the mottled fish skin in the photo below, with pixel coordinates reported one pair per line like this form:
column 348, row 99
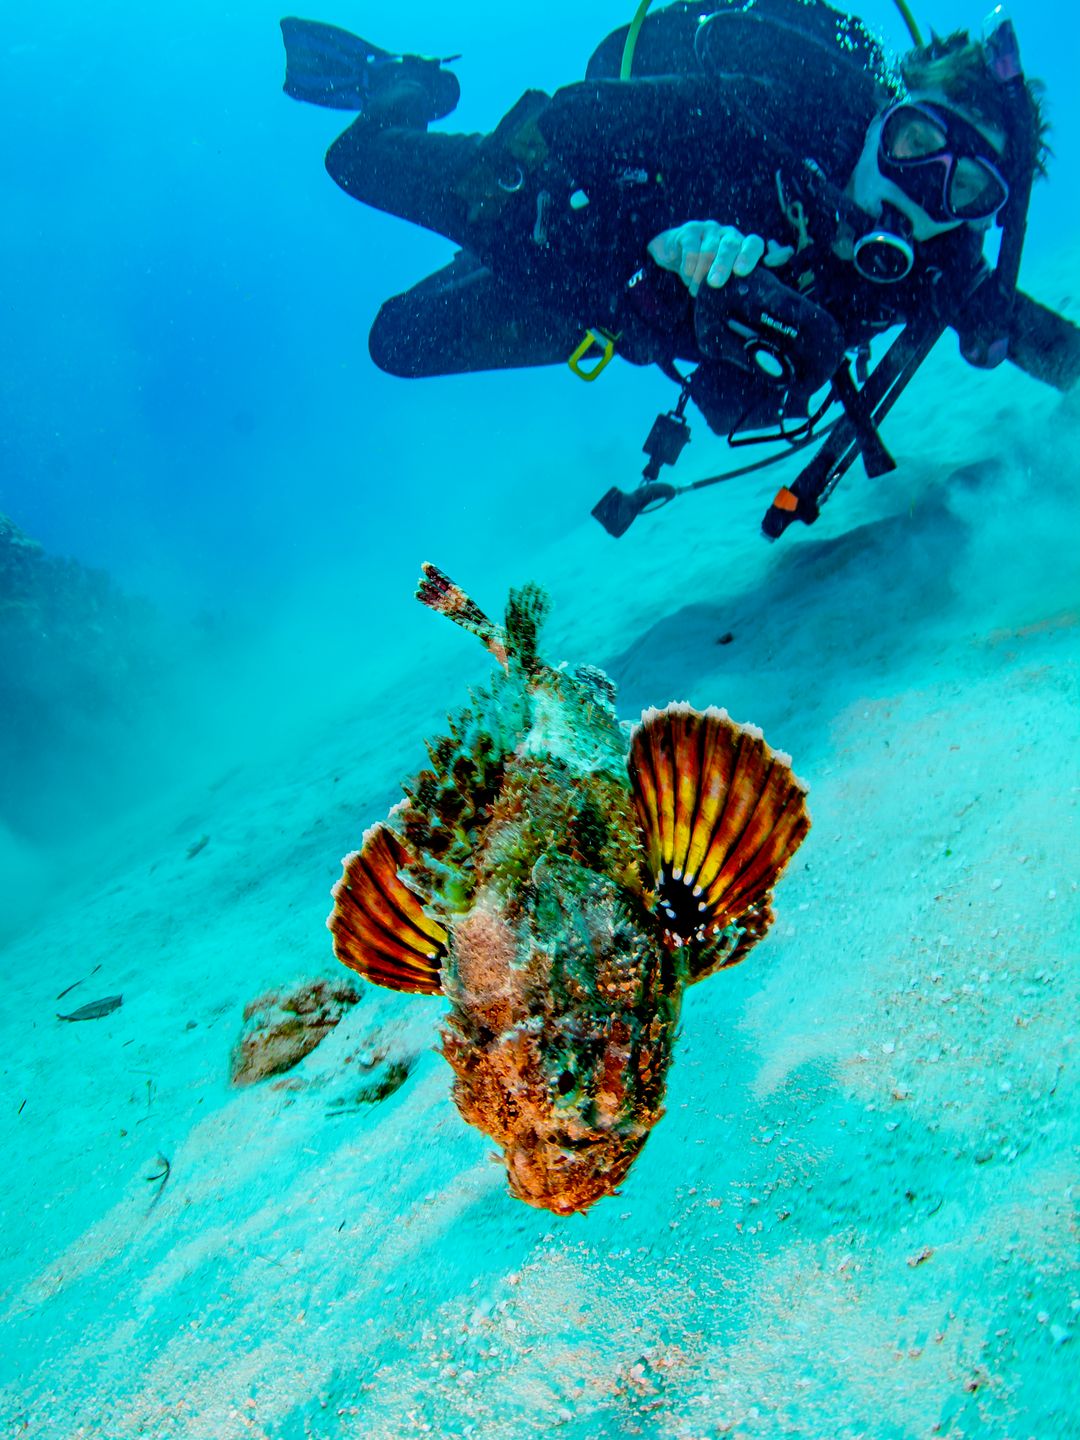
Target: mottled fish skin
column 564, row 997
column 522, row 841
column 95, row 1009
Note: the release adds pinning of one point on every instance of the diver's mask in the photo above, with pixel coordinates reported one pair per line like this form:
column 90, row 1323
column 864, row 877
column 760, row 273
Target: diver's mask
column 942, row 161
column 938, row 170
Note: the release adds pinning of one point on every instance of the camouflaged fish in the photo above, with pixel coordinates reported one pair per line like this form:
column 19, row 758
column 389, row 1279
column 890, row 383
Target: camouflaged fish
column 561, row 878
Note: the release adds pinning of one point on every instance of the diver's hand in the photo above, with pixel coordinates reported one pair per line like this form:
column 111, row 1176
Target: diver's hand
column 706, row 251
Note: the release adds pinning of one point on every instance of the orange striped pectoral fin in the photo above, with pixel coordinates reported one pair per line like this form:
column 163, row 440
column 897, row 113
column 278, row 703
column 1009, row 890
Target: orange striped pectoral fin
column 721, row 815
column 378, row 923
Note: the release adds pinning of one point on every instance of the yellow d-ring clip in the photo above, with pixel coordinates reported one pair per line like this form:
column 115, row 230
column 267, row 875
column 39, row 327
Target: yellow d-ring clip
column 604, row 342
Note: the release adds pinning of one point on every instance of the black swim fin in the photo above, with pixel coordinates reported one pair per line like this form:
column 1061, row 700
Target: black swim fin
column 328, row 66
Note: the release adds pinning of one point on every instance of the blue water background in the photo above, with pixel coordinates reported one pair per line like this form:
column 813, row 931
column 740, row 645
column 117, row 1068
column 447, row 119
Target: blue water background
column 186, row 399
column 185, row 392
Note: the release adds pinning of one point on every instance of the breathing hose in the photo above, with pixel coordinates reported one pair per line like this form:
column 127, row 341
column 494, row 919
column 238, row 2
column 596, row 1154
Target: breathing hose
column 631, row 40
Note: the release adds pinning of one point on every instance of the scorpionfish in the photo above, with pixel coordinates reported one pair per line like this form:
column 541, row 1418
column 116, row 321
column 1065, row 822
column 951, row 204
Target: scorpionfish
column 561, row 877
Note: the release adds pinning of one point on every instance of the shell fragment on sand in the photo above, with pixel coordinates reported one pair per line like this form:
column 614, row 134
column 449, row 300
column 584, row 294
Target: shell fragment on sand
column 95, row 1009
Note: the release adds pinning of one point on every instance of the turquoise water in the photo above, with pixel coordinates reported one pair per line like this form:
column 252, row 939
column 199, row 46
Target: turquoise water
column 858, row 1217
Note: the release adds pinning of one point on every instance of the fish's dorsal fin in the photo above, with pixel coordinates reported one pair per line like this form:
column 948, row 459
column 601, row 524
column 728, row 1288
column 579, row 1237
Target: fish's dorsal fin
column 439, row 593
column 721, row 815
column 379, row 926
column 525, row 613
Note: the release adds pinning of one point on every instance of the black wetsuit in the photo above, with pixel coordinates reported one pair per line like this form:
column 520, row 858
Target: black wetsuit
column 553, row 211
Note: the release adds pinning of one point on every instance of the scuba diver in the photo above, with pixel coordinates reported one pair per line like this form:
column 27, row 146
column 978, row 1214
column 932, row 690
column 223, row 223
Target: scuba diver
column 750, row 190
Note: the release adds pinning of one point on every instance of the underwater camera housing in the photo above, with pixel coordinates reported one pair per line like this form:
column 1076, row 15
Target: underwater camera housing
column 786, row 345
column 763, row 327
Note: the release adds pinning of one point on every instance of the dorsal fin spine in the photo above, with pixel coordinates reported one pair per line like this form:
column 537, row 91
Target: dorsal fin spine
column 439, row 593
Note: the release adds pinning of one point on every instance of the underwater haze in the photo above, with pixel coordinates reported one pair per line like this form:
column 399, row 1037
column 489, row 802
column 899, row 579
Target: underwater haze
column 858, row 1217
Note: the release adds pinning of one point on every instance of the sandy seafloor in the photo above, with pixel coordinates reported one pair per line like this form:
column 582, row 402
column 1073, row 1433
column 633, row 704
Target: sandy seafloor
column 858, row 1217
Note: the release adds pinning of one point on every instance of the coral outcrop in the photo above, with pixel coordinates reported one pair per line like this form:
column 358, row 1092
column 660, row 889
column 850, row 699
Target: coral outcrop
column 77, row 658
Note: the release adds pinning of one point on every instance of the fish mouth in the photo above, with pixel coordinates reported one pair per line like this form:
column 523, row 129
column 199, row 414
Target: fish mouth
column 567, row 1176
